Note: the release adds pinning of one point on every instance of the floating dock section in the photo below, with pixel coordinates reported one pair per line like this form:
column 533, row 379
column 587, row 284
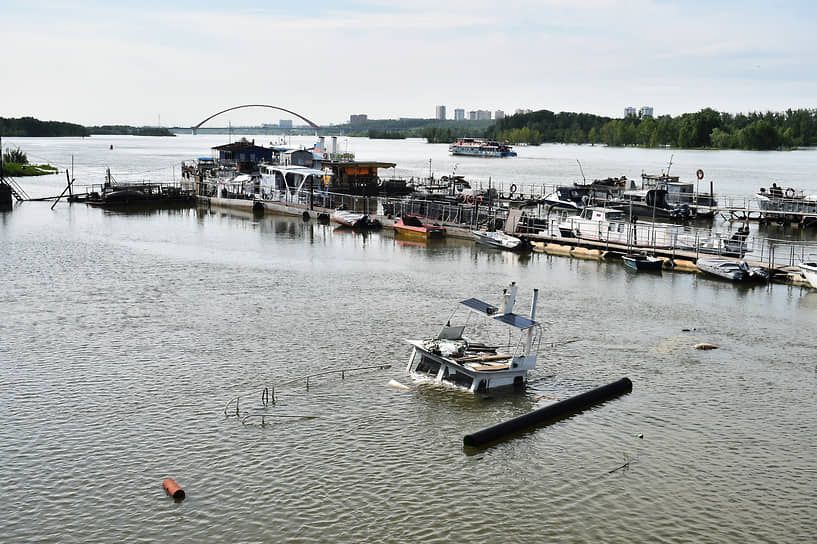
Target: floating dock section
column 548, row 413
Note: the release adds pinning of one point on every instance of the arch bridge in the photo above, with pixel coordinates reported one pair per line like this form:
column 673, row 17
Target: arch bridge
column 195, row 128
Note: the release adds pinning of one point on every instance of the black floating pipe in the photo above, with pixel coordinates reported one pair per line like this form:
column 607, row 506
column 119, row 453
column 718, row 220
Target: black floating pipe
column 549, row 413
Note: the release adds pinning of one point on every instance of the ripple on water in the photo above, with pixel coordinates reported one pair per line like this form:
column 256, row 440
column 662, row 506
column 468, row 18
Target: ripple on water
column 120, row 350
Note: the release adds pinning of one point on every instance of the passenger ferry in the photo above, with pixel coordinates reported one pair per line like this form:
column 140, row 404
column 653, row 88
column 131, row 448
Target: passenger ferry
column 477, row 147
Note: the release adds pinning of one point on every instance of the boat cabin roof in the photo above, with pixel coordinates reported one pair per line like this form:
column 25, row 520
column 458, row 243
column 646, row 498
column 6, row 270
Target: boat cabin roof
column 510, row 319
column 603, row 214
column 304, row 170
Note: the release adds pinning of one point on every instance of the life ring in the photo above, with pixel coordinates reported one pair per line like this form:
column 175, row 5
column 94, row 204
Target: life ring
column 471, row 199
column 789, row 192
column 513, row 188
column 700, row 174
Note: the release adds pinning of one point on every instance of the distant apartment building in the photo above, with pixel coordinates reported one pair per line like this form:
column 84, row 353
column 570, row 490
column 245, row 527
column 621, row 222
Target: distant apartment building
column 440, row 113
column 459, row 114
column 359, row 118
column 483, row 115
column 642, row 113
column 499, row 114
column 285, row 123
column 521, row 111
column 472, row 116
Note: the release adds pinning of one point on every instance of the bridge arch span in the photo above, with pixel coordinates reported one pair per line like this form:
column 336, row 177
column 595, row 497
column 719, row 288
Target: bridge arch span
column 298, row 115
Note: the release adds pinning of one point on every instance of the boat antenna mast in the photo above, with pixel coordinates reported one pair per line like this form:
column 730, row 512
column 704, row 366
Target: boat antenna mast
column 584, row 179
column 529, row 343
column 670, row 164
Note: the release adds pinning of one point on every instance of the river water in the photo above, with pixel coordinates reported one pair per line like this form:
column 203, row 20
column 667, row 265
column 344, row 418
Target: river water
column 123, row 335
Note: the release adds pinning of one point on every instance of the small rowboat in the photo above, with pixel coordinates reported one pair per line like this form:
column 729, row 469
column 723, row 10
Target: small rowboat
column 641, row 261
column 409, row 225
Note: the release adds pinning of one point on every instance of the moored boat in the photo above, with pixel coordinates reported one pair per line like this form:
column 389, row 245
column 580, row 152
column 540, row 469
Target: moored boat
column 454, row 359
column 642, row 261
column 610, row 225
column 501, row 240
column 355, row 220
column 569, row 197
column 809, row 270
column 739, row 271
column 410, row 225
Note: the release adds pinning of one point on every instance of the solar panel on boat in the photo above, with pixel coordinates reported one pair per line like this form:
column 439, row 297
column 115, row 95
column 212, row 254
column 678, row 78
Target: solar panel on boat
column 515, row 320
column 480, row 306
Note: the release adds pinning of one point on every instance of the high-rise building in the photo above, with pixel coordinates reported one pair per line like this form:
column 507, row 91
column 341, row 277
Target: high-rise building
column 440, row 113
column 483, row 115
column 285, row 123
column 499, row 114
column 359, row 118
column 645, row 111
column 459, row 114
column 472, row 116
column 629, row 111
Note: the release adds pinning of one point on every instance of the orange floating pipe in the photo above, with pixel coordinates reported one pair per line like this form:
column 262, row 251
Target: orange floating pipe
column 173, row 489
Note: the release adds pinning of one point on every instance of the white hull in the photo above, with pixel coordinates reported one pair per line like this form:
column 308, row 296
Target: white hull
column 809, row 270
column 497, row 239
column 474, row 376
column 456, row 360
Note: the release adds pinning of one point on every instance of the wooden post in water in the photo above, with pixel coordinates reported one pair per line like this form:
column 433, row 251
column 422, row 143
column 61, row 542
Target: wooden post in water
column 67, row 188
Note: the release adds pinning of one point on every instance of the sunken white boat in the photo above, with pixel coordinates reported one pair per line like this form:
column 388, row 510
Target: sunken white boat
column 452, row 358
column 739, row 271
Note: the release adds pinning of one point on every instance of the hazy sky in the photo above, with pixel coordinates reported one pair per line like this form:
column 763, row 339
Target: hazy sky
column 142, row 62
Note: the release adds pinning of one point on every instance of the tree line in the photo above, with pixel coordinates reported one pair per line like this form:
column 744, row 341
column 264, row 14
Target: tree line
column 707, row 128
column 29, row 126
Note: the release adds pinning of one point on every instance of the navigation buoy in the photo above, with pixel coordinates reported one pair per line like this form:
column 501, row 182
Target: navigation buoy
column 173, row 489
column 705, row 346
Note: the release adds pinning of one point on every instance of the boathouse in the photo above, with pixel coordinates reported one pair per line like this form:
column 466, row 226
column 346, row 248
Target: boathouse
column 244, row 153
column 356, row 177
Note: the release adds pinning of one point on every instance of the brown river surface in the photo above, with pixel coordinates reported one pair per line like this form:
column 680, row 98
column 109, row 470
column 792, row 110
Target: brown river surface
column 124, row 334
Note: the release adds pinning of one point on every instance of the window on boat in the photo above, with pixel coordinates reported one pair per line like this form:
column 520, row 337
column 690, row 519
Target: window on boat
column 428, row 366
column 458, row 379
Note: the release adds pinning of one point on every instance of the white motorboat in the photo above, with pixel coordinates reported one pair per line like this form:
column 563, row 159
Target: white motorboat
column 500, row 240
column 610, row 225
column 568, row 197
column 355, row 220
column 729, row 269
column 809, row 270
column 454, row 359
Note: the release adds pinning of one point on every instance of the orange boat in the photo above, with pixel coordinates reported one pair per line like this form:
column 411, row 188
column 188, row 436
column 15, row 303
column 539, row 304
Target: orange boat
column 409, row 225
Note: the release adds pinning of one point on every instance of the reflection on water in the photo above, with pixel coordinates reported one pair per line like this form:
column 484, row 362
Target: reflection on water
column 124, row 335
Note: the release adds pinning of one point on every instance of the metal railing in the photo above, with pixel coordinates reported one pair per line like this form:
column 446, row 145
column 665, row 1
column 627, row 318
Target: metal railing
column 268, row 393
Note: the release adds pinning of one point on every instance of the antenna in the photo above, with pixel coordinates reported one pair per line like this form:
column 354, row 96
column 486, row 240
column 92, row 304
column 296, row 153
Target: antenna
column 584, row 179
column 670, row 164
